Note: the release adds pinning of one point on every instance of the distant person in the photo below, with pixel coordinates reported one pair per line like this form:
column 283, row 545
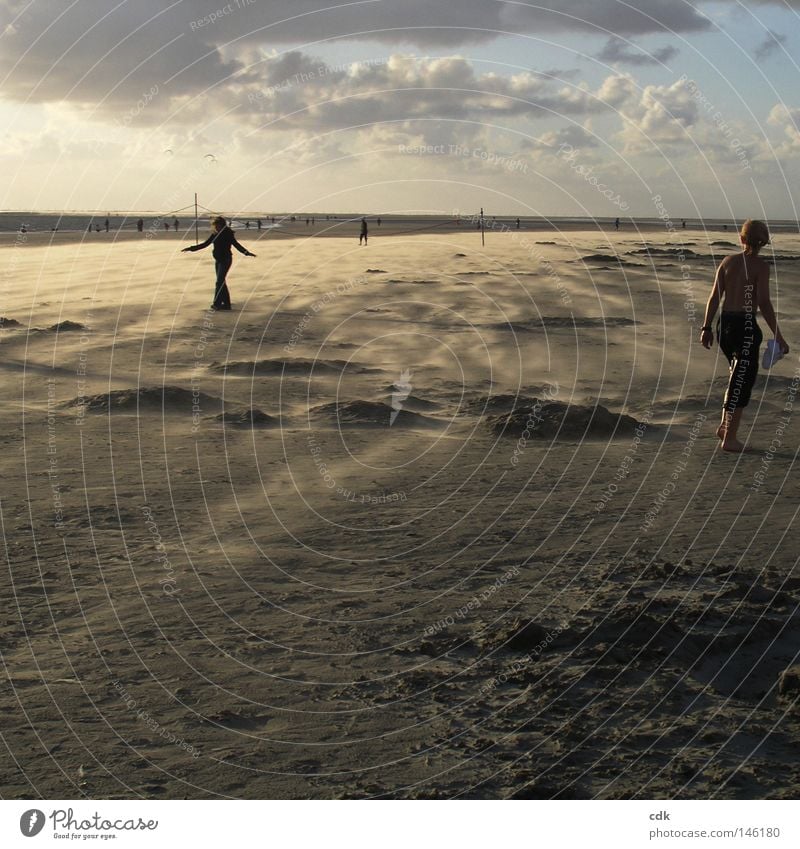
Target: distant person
column 518, row 224
column 362, row 236
column 378, row 222
column 683, row 223
column 308, row 221
column 616, row 224
column 166, row 226
column 313, row 221
column 258, row 223
column 223, row 239
column 175, row 224
column 273, row 219
column 725, row 227
column 140, row 225
column 246, row 225
column 742, row 285
column 106, row 225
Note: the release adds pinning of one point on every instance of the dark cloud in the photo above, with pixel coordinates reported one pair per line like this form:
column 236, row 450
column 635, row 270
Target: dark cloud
column 103, row 54
column 557, row 73
column 445, row 23
column 616, row 50
column 769, row 45
column 109, row 52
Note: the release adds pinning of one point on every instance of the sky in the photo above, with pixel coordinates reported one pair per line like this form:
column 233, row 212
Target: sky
column 603, row 108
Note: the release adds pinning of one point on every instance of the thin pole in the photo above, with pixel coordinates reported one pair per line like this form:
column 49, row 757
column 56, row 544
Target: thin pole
column 196, row 237
column 483, row 240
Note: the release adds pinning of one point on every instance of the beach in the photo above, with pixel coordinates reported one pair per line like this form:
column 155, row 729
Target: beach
column 422, row 519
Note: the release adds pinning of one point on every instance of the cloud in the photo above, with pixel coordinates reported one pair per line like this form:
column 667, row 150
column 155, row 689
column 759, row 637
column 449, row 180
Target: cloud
column 102, row 54
column 442, row 23
column 664, row 115
column 617, row 50
column 772, row 42
column 787, row 119
column 405, row 89
column 574, row 135
column 107, row 52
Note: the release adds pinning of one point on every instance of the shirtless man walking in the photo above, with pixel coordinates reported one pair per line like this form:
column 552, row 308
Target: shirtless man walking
column 742, row 285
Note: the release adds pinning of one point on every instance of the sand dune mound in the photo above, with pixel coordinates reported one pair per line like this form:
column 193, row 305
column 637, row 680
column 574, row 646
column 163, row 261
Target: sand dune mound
column 166, row 399
column 515, row 636
column 249, row 418
column 8, row 322
column 291, row 367
column 604, row 258
column 67, row 327
column 663, row 252
column 558, row 322
column 413, row 402
column 370, row 414
column 552, row 419
column 721, row 243
column 494, row 404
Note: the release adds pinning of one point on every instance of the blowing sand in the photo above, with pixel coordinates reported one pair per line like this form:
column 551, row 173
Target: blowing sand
column 419, row 519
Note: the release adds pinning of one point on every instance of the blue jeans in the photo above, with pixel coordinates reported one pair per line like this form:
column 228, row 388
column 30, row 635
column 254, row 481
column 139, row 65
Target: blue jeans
column 222, row 297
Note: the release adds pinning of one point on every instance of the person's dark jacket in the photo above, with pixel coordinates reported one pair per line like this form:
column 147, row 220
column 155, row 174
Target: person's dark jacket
column 222, row 241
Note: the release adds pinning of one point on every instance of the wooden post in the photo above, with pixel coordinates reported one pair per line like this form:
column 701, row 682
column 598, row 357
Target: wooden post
column 196, row 237
column 483, row 240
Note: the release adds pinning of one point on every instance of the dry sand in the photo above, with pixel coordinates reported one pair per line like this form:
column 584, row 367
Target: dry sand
column 230, row 576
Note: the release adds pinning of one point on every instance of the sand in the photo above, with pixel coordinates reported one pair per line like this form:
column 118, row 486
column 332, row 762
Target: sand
column 421, row 519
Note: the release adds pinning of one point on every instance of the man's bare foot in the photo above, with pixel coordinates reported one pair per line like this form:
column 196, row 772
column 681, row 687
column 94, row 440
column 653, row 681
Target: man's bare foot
column 733, row 445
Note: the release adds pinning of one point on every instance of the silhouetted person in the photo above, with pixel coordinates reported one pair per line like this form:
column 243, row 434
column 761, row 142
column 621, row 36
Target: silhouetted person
column 223, row 239
column 246, row 225
column 378, row 222
column 364, row 232
column 140, row 225
column 175, row 224
column 616, row 224
column 742, row 284
column 518, row 224
column 106, row 225
column 258, row 223
column 683, row 223
column 166, row 226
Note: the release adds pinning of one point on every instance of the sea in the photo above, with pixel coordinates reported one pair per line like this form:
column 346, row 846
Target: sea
column 76, row 221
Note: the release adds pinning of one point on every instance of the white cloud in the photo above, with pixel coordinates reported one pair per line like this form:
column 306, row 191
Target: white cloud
column 663, row 115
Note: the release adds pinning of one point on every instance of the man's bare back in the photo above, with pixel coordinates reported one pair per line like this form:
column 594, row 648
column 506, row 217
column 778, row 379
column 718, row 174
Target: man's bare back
column 741, row 279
